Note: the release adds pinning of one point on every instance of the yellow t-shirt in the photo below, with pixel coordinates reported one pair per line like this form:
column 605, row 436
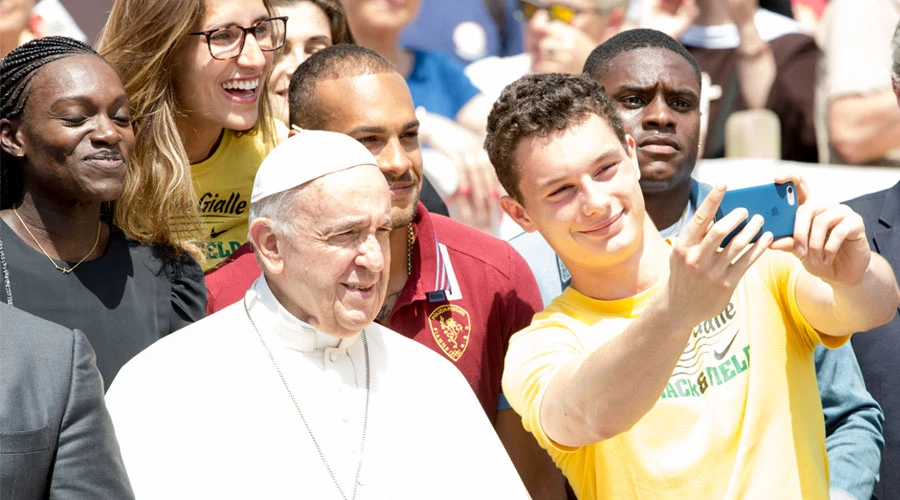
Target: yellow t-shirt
column 223, row 183
column 740, row 418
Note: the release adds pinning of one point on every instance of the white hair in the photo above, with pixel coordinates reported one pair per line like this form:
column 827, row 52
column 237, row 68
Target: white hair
column 280, row 209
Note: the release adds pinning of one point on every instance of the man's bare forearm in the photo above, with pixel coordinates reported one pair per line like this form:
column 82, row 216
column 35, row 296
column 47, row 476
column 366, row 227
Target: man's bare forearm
column 840, row 310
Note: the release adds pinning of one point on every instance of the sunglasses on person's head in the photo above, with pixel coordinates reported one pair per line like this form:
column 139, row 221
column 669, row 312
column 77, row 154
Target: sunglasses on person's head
column 555, row 11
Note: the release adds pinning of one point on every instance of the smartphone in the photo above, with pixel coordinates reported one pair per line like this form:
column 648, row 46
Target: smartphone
column 776, row 203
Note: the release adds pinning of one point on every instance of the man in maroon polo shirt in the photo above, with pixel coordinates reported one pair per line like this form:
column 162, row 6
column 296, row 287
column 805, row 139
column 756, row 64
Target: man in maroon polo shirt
column 452, row 288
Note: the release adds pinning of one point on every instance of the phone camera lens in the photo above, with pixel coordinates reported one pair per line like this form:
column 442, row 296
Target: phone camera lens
column 790, row 189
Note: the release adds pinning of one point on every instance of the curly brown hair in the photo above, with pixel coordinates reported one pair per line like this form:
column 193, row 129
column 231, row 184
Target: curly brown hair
column 538, row 105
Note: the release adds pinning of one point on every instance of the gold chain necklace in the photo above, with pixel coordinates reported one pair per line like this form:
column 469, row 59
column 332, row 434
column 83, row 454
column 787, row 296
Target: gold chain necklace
column 410, row 239
column 41, row 247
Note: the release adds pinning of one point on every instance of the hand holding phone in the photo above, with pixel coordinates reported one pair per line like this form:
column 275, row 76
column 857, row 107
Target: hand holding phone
column 775, row 203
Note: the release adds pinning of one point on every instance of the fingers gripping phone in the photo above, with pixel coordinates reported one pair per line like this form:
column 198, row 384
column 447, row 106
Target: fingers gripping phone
column 776, row 203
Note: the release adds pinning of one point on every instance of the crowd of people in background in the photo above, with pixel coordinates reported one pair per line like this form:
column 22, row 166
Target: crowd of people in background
column 424, row 249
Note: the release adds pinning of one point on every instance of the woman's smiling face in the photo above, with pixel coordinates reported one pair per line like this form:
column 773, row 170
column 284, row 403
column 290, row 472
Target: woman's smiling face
column 75, row 132
column 214, row 94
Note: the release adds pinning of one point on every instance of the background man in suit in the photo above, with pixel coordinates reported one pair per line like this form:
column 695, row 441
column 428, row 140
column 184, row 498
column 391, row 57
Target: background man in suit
column 878, row 354
column 56, row 438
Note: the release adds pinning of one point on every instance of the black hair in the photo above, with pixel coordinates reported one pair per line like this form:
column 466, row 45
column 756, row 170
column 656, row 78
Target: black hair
column 19, row 67
column 331, row 63
column 626, row 41
column 17, row 70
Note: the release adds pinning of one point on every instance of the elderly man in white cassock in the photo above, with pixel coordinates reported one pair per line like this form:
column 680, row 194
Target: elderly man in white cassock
column 294, row 392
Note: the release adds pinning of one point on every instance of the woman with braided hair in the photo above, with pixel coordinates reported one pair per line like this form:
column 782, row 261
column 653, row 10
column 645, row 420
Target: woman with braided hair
column 65, row 145
column 196, row 72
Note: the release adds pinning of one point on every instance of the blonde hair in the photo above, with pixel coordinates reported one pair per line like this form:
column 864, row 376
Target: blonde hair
column 141, row 40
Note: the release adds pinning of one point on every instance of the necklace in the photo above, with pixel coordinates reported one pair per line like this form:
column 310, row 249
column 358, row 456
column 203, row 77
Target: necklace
column 63, row 270
column 303, row 418
column 410, row 239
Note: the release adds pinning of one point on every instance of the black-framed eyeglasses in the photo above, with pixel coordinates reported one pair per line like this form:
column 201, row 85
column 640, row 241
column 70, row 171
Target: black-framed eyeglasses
column 228, row 42
column 555, row 11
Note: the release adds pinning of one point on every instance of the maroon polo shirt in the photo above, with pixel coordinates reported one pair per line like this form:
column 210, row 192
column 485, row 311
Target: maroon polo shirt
column 228, row 282
column 467, row 294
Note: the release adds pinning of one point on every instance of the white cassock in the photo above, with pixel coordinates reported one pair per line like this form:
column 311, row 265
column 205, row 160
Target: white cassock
column 203, row 413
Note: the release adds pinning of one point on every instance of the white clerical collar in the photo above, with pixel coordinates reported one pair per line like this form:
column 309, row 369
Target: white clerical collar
column 293, row 333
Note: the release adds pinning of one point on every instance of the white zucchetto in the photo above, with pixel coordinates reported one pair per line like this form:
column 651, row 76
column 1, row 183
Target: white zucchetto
column 306, row 156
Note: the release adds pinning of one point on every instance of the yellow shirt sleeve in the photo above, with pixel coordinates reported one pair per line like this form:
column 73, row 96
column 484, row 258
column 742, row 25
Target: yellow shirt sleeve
column 781, row 271
column 535, row 355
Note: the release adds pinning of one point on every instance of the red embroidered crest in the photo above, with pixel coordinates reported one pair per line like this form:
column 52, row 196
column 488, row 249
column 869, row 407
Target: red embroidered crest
column 451, row 326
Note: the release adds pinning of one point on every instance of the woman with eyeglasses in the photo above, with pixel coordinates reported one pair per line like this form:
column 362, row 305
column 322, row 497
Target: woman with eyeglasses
column 66, row 146
column 196, row 72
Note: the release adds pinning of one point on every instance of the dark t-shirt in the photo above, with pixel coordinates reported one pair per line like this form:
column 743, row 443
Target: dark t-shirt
column 123, row 301
column 432, row 200
column 791, row 96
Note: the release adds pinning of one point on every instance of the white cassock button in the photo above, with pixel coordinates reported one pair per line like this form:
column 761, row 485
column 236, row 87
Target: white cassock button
column 332, row 357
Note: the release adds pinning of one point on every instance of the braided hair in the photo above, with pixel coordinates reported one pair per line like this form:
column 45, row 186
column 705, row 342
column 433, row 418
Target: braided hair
column 21, row 64
column 17, row 70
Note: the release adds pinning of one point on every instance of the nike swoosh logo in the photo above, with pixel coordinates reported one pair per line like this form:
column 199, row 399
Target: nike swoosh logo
column 213, row 234
column 721, row 354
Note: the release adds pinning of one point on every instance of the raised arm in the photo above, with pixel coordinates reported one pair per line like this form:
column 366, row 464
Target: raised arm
column 631, row 370
column 845, row 287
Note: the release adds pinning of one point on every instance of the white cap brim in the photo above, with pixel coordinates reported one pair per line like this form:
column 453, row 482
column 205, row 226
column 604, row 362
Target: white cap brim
column 306, row 156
